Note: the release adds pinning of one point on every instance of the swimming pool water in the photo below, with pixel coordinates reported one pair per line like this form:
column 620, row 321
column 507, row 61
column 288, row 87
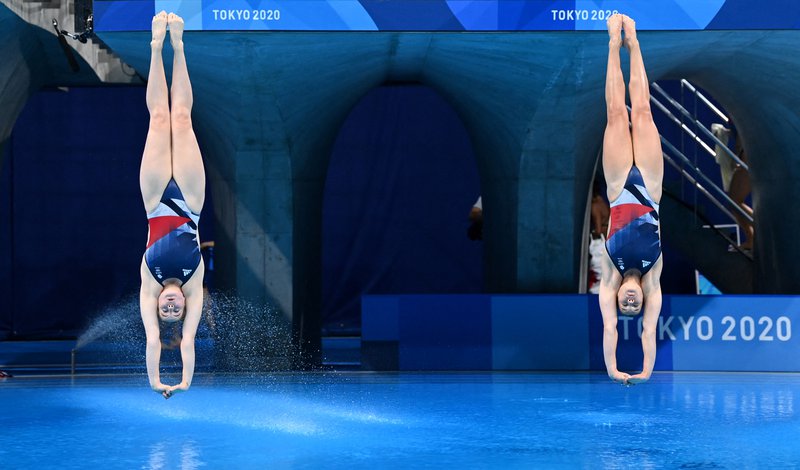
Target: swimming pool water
column 360, row 420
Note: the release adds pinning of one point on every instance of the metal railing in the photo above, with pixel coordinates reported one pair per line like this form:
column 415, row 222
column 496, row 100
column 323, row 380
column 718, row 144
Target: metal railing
column 697, row 132
column 698, row 125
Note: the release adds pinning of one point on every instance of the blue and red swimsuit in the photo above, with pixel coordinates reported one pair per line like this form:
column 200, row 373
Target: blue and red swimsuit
column 633, row 240
column 173, row 249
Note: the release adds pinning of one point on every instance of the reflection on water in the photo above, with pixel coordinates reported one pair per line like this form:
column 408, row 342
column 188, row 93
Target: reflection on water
column 258, row 410
column 183, row 456
column 407, row 421
column 748, row 405
column 158, row 456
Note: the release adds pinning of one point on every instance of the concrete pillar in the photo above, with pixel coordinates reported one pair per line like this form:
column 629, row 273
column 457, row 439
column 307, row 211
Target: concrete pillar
column 20, row 74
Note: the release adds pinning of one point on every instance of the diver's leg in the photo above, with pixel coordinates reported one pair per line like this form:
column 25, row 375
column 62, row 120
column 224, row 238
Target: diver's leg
column 646, row 140
column 156, row 168
column 187, row 164
column 617, row 147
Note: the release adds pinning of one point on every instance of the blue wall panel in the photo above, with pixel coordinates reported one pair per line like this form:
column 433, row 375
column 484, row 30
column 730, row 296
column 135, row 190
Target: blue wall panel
column 546, row 332
column 729, row 333
column 445, row 332
column 565, row 332
column 384, row 324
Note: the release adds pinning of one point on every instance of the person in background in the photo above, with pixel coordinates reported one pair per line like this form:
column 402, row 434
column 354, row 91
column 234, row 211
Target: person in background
column 735, row 181
column 475, row 230
column 599, row 215
column 599, row 227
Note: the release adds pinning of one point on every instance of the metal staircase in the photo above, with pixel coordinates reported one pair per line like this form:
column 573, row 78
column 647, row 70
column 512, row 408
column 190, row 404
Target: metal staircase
column 701, row 238
column 106, row 65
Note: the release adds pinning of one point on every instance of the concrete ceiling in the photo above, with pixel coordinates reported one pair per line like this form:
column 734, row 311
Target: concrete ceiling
column 533, row 103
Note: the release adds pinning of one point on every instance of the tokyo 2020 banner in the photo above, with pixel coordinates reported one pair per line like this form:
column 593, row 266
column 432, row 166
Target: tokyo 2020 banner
column 565, row 332
column 448, row 15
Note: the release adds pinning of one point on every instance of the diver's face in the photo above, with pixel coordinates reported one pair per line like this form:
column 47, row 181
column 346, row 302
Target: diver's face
column 630, row 297
column 171, row 303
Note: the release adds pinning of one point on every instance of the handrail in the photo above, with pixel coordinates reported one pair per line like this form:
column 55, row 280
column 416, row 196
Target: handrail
column 685, row 84
column 702, row 217
column 683, row 126
column 697, row 123
column 710, row 183
column 685, row 160
column 687, row 169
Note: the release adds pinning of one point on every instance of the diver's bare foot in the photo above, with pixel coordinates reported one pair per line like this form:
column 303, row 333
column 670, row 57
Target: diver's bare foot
column 614, row 24
column 159, row 28
column 175, row 30
column 629, row 26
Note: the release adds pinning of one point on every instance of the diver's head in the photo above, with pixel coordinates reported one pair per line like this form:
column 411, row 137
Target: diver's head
column 171, row 303
column 630, row 297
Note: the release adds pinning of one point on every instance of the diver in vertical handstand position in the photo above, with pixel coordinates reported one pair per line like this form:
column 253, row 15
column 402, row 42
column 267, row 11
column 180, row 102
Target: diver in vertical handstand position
column 172, row 181
column 634, row 169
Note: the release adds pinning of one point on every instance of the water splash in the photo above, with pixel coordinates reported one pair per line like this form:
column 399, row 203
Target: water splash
column 116, row 321
column 234, row 335
column 248, row 336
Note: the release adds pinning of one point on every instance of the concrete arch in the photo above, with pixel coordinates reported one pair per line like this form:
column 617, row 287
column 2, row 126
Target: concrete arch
column 757, row 83
column 401, row 182
column 268, row 106
column 533, row 103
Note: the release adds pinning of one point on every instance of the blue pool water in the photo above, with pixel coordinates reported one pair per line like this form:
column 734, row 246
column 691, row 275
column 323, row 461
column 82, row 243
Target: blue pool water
column 361, row 420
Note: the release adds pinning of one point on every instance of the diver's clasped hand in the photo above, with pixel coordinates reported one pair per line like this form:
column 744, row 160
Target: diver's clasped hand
column 167, row 391
column 181, row 387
